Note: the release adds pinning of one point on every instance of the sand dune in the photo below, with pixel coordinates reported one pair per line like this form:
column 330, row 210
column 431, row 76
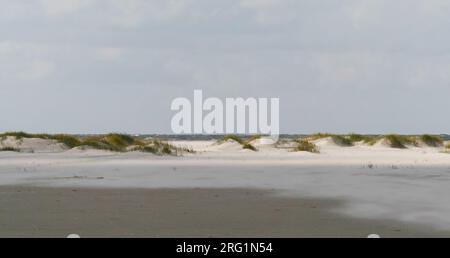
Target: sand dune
column 33, row 145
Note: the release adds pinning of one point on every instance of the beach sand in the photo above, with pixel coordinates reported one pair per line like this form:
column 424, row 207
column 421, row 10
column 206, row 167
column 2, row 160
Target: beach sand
column 58, row 212
column 343, row 191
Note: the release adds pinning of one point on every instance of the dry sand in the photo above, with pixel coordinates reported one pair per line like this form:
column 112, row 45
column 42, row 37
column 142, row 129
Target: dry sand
column 380, row 188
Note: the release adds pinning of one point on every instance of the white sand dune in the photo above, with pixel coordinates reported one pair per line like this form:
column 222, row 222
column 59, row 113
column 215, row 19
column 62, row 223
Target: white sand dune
column 409, row 185
column 33, row 144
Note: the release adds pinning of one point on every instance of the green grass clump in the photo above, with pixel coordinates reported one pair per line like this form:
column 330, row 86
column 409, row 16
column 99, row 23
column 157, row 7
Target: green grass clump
column 119, row 140
column 400, row 141
column 18, row 135
column 244, row 144
column 345, row 140
column 342, row 140
column 431, row 140
column 305, row 145
column 110, row 142
column 356, row 137
column 371, row 140
column 100, row 143
column 9, row 149
column 233, row 138
column 248, row 146
column 158, row 147
column 447, row 146
column 68, row 140
column 318, row 136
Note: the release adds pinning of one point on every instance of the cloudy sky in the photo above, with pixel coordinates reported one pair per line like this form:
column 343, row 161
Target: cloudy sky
column 93, row 66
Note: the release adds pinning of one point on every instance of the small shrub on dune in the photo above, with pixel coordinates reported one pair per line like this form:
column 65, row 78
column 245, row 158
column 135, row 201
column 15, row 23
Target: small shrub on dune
column 18, row 135
column 231, row 137
column 371, row 140
column 400, row 141
column 304, row 145
column 100, row 143
column 431, row 140
column 355, row 138
column 447, row 146
column 318, row 136
column 248, row 146
column 69, row 141
column 119, row 140
column 342, row 140
column 9, row 149
column 166, row 149
column 244, row 144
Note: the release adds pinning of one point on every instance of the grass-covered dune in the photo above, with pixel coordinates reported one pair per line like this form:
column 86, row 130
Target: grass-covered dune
column 246, row 144
column 110, row 142
column 392, row 140
column 305, row 145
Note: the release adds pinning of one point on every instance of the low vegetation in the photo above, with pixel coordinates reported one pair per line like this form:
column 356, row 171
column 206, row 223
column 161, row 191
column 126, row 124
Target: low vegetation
column 232, row 138
column 305, row 145
column 400, row 141
column 111, row 142
column 431, row 140
column 393, row 140
column 318, row 136
column 245, row 144
column 9, row 149
column 345, row 140
column 342, row 140
column 248, row 146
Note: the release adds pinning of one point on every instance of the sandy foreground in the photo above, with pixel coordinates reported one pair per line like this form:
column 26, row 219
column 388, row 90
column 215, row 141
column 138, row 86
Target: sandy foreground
column 226, row 191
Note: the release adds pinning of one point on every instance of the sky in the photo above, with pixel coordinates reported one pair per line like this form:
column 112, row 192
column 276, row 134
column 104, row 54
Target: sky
column 341, row 66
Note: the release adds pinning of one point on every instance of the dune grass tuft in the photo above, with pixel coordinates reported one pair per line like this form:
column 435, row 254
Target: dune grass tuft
column 9, row 149
column 318, row 136
column 345, row 140
column 248, row 146
column 18, row 135
column 245, row 144
column 158, row 147
column 400, row 141
column 305, row 145
column 233, row 138
column 431, row 140
column 68, row 140
column 342, row 140
column 356, row 137
column 111, row 142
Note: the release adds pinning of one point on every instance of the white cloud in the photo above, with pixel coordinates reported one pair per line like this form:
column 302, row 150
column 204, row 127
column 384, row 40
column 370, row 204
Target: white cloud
column 132, row 13
column 39, row 69
column 7, row 47
column 58, row 7
column 258, row 3
column 109, row 53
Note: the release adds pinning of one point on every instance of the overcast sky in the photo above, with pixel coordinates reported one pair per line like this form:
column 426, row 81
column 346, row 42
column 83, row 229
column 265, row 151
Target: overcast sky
column 94, row 66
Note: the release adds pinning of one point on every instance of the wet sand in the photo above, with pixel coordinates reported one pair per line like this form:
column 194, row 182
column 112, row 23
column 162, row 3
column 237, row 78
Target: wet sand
column 58, row 212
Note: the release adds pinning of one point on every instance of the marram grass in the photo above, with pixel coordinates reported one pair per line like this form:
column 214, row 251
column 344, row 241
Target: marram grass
column 245, row 144
column 110, row 142
column 305, row 145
